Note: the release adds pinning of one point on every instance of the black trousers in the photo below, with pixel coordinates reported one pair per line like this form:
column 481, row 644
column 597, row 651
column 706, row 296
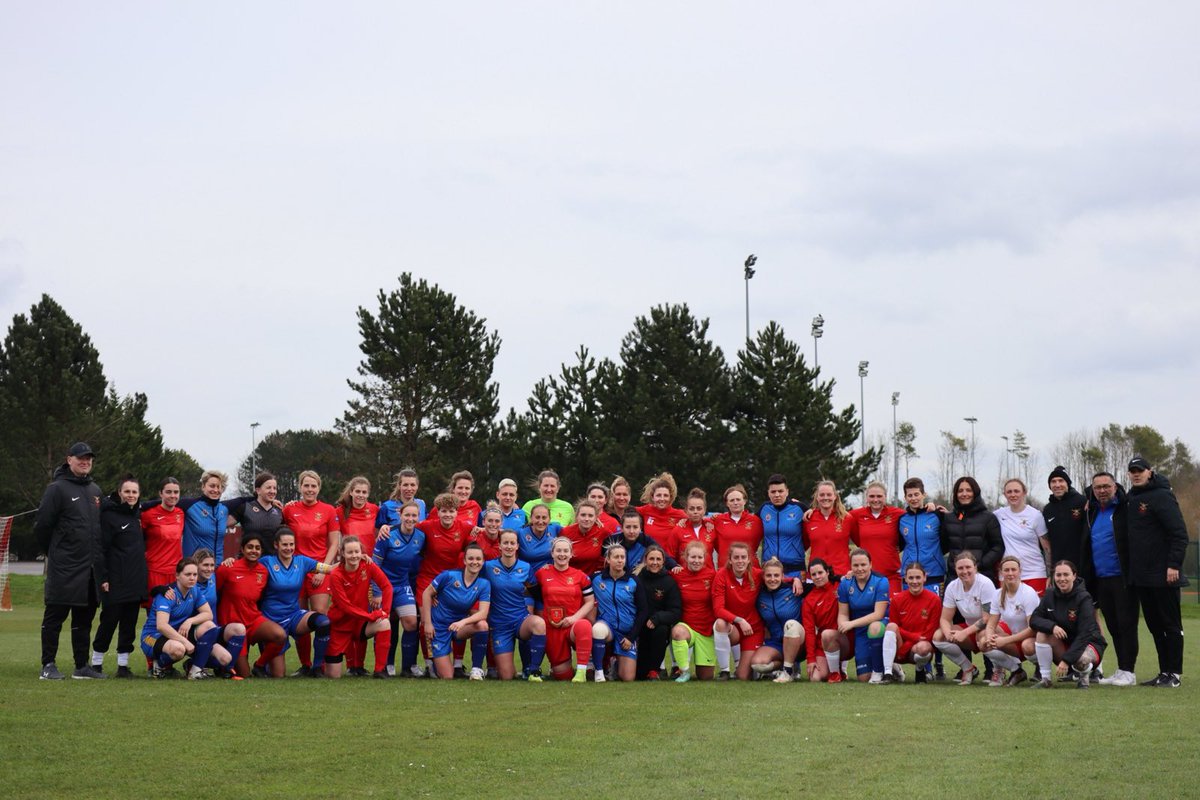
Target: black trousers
column 1119, row 605
column 81, row 629
column 120, row 618
column 1160, row 607
column 652, row 646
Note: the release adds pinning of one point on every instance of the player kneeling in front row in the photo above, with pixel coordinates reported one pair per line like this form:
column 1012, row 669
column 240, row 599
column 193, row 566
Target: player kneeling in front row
column 1067, row 633
column 863, row 614
column 180, row 625
column 779, row 603
column 351, row 616
column 455, row 616
column 567, row 601
column 914, row 615
column 622, row 609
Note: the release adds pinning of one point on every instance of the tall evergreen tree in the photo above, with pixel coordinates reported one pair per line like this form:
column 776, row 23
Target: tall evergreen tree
column 784, row 421
column 332, row 455
column 426, row 396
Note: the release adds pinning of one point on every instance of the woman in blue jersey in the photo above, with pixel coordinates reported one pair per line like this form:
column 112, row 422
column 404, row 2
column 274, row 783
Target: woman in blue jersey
column 510, row 616
column 206, row 563
column 621, row 611
column 398, row 554
column 205, row 518
column 180, row 624
column 460, row 612
column 779, row 607
column 280, row 603
column 537, row 537
column 635, row 541
column 862, row 613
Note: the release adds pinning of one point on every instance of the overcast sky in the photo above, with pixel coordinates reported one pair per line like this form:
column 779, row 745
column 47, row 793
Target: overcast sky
column 997, row 207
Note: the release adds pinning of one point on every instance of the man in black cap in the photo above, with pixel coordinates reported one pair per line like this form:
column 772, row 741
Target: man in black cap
column 1066, row 522
column 1156, row 546
column 68, row 532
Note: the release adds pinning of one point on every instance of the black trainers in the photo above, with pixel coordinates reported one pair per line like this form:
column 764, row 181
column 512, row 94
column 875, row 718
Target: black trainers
column 259, row 672
column 460, row 673
column 124, row 672
column 87, row 673
column 1169, row 681
column 303, row 672
column 50, row 673
column 379, row 673
column 723, row 675
column 1157, row 680
column 922, row 676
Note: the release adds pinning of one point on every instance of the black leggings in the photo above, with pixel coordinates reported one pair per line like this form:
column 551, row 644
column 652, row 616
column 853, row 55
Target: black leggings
column 120, row 618
column 81, row 628
column 652, row 646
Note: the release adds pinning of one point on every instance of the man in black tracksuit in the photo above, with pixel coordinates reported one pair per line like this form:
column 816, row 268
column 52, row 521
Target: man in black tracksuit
column 1155, row 546
column 68, row 532
column 1066, row 522
column 1104, row 572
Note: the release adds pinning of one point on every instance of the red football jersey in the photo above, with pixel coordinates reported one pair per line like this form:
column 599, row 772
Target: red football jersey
column 562, row 590
column 610, row 523
column 312, row 526
column 660, row 525
column 491, row 547
column 879, row 536
column 587, row 552
column 163, row 531
column 360, row 522
column 818, row 613
column 467, row 512
column 732, row 598
column 828, row 538
column 748, row 530
column 916, row 617
column 352, row 591
column 695, row 589
column 443, row 549
column 239, row 588
column 681, row 537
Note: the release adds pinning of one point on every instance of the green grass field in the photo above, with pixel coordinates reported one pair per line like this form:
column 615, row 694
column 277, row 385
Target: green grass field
column 405, row 738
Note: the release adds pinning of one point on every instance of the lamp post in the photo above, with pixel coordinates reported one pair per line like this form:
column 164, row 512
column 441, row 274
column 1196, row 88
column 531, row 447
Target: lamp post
column 895, row 450
column 862, row 406
column 972, row 420
column 1006, row 452
column 751, row 260
column 818, row 330
column 253, row 450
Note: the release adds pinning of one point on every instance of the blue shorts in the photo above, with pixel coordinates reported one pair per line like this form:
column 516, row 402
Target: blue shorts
column 504, row 634
column 291, row 621
column 865, row 654
column 621, row 651
column 774, row 644
column 403, row 595
column 443, row 641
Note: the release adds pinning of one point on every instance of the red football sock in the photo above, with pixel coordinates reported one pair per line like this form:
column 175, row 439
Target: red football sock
column 304, row 649
column 583, row 642
column 383, row 641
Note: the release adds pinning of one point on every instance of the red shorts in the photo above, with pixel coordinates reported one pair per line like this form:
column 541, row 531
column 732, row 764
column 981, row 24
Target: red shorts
column 895, row 584
column 307, row 590
column 904, row 647
column 1037, row 584
column 153, row 579
column 962, row 626
column 343, row 635
column 752, row 642
column 558, row 646
column 253, row 626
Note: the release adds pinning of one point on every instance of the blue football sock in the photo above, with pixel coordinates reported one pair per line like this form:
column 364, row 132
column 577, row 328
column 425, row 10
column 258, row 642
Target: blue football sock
column 320, row 626
column 410, row 643
column 204, row 646
column 524, row 650
column 599, row 646
column 479, row 643
column 537, row 651
column 234, row 645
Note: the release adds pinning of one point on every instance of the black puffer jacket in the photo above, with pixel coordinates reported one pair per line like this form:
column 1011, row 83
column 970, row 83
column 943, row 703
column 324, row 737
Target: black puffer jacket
column 972, row 528
column 1120, row 521
column 1066, row 525
column 1075, row 613
column 68, row 532
column 1157, row 534
column 663, row 602
column 123, row 566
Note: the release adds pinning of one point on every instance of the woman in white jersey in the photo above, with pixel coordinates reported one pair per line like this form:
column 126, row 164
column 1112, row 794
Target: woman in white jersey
column 1008, row 638
column 970, row 594
column 1024, row 532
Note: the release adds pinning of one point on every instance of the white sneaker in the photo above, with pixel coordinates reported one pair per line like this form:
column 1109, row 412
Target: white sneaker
column 876, row 677
column 1123, row 678
column 476, row 674
column 416, row 672
column 391, row 670
column 600, row 677
column 898, row 673
column 783, row 677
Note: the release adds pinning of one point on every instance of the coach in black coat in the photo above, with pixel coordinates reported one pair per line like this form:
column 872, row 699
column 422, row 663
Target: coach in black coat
column 971, row 526
column 68, row 531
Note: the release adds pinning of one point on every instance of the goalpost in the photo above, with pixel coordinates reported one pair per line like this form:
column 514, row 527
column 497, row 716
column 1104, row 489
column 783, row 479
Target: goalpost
column 5, row 536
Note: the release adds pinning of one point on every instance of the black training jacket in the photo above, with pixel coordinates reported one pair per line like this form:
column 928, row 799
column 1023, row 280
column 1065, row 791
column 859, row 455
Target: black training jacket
column 973, row 528
column 1157, row 534
column 68, row 532
column 123, row 566
column 1066, row 525
column 1075, row 613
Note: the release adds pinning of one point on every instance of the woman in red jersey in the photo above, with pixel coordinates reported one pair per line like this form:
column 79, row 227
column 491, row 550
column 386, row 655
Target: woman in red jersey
column 352, row 615
column 566, row 597
column 819, row 616
column 446, row 535
column 356, row 512
column 587, row 538
column 598, row 494
column 877, row 530
column 829, row 529
column 735, row 602
column 694, row 527
column 695, row 627
column 913, row 620
column 659, row 516
column 488, row 537
column 162, row 525
column 240, row 586
column 737, row 525
column 318, row 536
column 462, row 484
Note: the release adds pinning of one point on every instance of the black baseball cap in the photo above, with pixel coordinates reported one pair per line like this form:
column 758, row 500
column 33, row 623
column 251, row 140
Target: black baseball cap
column 1138, row 464
column 80, row 449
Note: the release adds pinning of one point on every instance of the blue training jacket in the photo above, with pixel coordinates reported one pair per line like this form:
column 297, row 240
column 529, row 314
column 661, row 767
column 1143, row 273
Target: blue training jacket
column 783, row 533
column 922, row 535
column 777, row 607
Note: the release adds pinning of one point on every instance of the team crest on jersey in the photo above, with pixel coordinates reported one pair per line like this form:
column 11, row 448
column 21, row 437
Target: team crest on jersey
column 529, row 537
column 708, row 537
column 924, row 613
column 1143, row 508
column 255, row 508
column 317, row 516
column 767, row 517
column 887, row 518
column 570, row 580
column 496, row 570
column 259, row 576
column 96, row 500
column 1076, row 513
column 457, row 584
column 748, row 525
column 275, row 567
column 707, row 584
column 602, row 585
column 659, row 594
column 837, row 528
column 204, row 512
column 1072, row 614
